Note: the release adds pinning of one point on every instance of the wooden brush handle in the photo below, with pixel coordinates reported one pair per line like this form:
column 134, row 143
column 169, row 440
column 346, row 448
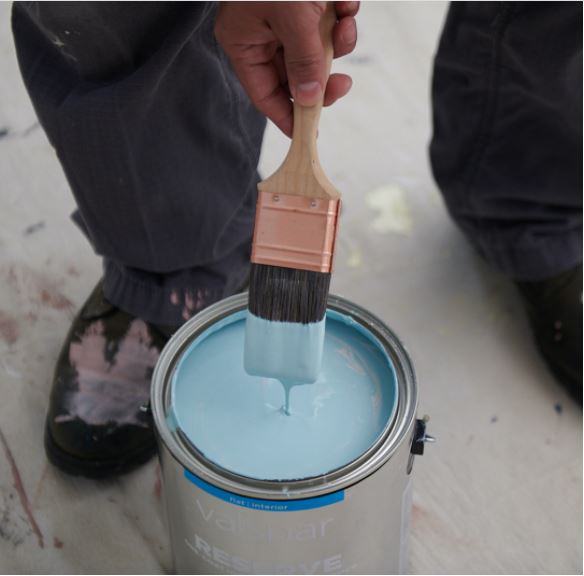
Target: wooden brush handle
column 301, row 173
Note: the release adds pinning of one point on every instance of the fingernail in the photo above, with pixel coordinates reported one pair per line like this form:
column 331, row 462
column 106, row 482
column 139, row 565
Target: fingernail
column 308, row 87
column 307, row 93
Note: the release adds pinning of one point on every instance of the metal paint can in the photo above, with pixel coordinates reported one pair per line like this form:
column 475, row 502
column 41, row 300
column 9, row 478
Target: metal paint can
column 354, row 520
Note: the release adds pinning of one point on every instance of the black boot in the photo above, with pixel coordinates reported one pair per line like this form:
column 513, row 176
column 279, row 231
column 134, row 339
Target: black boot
column 98, row 422
column 554, row 307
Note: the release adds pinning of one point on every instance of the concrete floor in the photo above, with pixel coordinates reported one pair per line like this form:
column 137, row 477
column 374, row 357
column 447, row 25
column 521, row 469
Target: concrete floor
column 501, row 491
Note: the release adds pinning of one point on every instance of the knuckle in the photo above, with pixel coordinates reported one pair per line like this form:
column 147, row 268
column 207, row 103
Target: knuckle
column 264, row 102
column 317, row 8
column 303, row 62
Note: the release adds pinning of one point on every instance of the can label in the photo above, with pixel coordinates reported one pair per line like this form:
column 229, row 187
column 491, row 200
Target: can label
column 266, row 505
column 223, row 560
column 237, row 534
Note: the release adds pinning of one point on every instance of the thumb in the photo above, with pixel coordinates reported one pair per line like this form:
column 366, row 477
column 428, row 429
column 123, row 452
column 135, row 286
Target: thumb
column 304, row 58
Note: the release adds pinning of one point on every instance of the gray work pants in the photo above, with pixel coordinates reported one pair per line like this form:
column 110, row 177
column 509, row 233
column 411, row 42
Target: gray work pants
column 160, row 144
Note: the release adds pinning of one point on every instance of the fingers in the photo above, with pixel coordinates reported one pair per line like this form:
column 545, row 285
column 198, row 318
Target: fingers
column 305, row 64
column 338, row 85
column 344, row 9
column 344, row 37
column 278, row 61
column 269, row 96
column 276, row 51
column 262, row 75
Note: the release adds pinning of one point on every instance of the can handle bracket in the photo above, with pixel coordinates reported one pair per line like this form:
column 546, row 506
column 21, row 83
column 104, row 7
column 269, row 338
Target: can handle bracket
column 420, row 437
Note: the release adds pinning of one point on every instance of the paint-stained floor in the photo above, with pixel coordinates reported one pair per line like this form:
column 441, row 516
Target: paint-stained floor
column 501, row 490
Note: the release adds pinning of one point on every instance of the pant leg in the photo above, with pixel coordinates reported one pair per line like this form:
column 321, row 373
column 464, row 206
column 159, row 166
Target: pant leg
column 157, row 139
column 507, row 145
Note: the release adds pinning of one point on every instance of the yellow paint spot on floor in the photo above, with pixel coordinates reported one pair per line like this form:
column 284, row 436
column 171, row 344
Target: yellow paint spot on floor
column 393, row 213
column 355, row 259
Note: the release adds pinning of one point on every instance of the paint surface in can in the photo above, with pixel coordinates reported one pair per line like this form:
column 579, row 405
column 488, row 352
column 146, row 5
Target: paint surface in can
column 237, row 421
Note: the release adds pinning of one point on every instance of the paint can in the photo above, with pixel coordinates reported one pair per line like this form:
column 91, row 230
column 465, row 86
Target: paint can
column 352, row 520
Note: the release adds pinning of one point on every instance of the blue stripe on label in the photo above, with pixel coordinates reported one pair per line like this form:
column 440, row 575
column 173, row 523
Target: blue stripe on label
column 266, row 505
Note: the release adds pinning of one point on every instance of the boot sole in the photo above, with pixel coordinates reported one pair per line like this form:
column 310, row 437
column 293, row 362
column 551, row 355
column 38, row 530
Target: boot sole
column 566, row 378
column 95, row 469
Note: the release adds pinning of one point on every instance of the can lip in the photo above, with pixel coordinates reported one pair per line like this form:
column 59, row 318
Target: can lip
column 373, row 458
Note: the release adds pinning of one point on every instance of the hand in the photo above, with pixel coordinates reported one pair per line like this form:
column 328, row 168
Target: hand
column 276, row 51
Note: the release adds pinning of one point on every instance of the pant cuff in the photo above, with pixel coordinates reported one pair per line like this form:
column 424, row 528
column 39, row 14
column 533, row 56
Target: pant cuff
column 545, row 258
column 168, row 300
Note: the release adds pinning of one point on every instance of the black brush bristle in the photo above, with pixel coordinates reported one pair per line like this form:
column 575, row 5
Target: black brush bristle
column 288, row 295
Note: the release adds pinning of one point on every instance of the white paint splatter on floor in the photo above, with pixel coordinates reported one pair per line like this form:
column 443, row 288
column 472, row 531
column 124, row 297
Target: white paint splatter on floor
column 393, row 213
column 355, row 259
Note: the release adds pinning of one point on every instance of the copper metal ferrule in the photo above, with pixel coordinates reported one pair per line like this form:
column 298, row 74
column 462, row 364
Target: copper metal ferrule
column 295, row 231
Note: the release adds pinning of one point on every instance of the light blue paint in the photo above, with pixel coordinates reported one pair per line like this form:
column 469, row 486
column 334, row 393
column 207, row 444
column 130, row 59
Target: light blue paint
column 288, row 351
column 236, row 420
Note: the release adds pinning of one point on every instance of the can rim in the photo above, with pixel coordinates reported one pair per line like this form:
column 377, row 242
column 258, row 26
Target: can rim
column 186, row 454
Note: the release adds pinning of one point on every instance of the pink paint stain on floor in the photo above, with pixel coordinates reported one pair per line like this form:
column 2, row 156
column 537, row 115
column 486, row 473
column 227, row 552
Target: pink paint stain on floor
column 55, row 299
column 157, row 483
column 34, row 287
column 9, row 331
column 20, row 490
column 111, row 391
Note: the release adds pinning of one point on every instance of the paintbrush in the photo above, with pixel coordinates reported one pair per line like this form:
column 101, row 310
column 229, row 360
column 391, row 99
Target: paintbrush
column 292, row 254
